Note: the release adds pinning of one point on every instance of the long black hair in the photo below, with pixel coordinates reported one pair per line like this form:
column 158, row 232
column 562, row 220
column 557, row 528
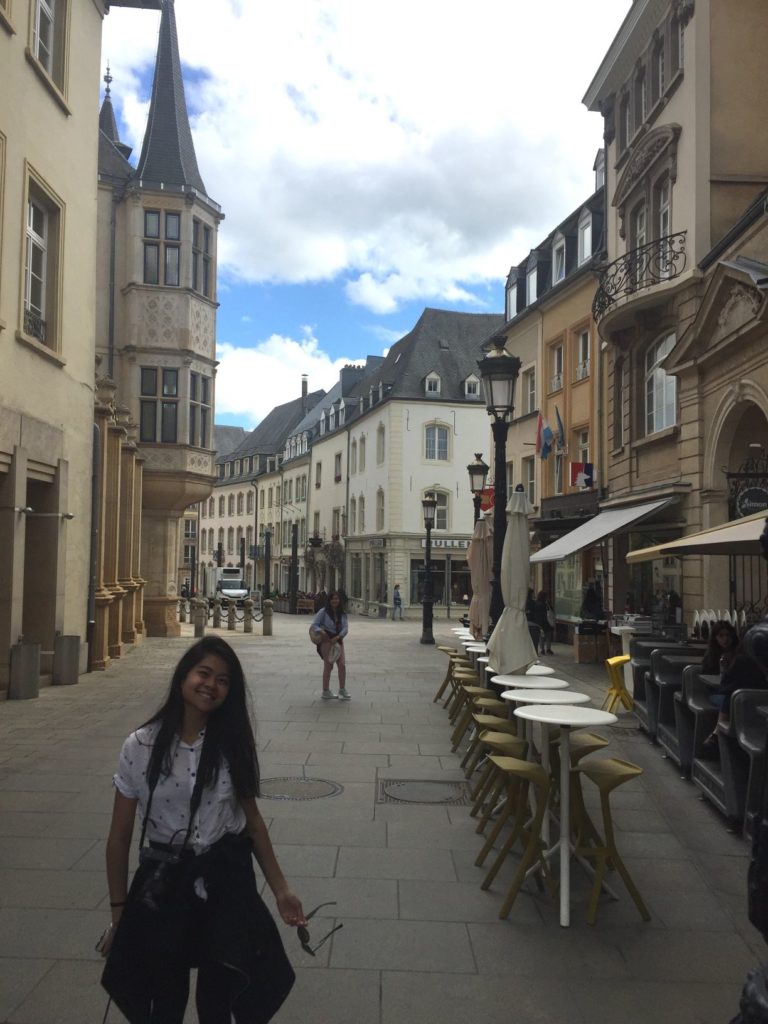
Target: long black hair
column 335, row 613
column 711, row 661
column 228, row 731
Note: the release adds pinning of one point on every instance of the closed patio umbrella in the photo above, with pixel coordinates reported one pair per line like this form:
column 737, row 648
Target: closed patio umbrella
column 480, row 561
column 510, row 648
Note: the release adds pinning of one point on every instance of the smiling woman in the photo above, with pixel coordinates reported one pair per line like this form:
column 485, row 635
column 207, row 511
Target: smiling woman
column 192, row 774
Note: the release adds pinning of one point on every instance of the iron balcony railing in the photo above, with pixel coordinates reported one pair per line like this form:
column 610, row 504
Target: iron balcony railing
column 660, row 260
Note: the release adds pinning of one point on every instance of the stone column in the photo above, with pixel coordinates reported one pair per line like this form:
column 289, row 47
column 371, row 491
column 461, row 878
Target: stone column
column 159, row 548
column 103, row 412
column 13, row 493
column 126, row 532
column 136, row 575
column 115, row 437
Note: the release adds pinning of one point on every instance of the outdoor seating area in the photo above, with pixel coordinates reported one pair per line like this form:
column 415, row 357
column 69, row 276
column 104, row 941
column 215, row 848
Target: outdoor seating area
column 527, row 742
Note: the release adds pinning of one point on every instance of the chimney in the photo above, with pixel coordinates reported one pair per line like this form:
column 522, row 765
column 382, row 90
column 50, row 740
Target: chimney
column 304, row 392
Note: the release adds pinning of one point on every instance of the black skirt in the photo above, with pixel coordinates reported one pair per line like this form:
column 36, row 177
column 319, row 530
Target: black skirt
column 165, row 922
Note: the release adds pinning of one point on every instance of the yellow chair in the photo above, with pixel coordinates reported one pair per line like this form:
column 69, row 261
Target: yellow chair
column 470, row 696
column 475, row 749
column 521, row 776
column 617, row 691
column 487, row 792
column 455, row 660
column 607, row 774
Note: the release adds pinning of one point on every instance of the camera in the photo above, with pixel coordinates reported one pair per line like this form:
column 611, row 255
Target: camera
column 154, row 889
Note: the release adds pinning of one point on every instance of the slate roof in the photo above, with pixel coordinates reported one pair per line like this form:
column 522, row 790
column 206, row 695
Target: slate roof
column 226, row 439
column 168, row 153
column 107, row 122
column 112, row 162
column 269, row 437
column 442, row 341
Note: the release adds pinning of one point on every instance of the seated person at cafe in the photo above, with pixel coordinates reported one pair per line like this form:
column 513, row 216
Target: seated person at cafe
column 592, row 606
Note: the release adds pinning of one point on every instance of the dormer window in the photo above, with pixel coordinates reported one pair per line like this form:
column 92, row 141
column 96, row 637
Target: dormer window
column 342, row 408
column 432, row 385
column 530, row 286
column 599, row 169
column 322, row 423
column 510, row 296
column 332, row 418
column 558, row 259
column 585, row 236
column 472, row 386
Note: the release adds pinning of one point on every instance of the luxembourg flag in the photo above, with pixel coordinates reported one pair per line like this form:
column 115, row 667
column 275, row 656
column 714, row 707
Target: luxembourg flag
column 544, row 438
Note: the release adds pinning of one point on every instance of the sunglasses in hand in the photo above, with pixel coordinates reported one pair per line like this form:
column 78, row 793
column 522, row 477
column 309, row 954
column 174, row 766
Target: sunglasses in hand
column 303, row 932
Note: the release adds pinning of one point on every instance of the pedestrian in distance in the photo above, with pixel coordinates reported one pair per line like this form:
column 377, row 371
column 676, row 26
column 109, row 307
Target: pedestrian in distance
column 332, row 625
column 544, row 617
column 192, row 774
column 397, row 603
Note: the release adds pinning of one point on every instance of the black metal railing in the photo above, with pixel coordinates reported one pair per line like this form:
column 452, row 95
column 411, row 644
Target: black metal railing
column 660, row 260
column 34, row 325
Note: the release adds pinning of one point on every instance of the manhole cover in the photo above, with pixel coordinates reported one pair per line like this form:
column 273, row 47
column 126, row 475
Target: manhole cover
column 419, row 791
column 298, row 789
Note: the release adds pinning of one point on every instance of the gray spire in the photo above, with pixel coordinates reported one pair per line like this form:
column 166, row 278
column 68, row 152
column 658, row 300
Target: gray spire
column 168, row 154
column 107, row 121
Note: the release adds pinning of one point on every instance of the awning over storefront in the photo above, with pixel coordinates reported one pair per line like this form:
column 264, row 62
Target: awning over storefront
column 739, row 537
column 603, row 525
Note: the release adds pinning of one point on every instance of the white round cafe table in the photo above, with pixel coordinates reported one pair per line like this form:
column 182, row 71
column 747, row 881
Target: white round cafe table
column 540, row 670
column 567, row 717
column 545, row 697
column 480, row 648
column 530, row 682
column 484, row 660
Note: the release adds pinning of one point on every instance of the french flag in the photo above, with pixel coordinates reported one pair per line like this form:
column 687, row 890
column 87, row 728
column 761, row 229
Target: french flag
column 544, row 438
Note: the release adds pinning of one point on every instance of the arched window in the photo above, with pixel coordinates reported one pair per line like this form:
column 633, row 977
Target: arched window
column 231, row 540
column 249, row 502
column 210, row 541
column 231, row 505
column 240, row 503
column 212, row 507
column 660, row 388
column 203, row 541
column 238, row 538
column 221, row 536
column 380, row 509
column 380, row 445
column 361, row 514
column 353, row 515
column 436, row 442
column 204, row 509
column 221, row 505
column 362, row 454
column 353, row 458
column 441, row 512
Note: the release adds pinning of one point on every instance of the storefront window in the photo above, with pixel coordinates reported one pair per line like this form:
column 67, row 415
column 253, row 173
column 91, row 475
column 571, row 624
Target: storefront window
column 568, row 587
column 355, row 583
column 654, row 588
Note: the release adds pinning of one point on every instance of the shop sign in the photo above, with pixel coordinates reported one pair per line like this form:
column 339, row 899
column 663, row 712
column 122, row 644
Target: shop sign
column 750, row 500
column 447, row 542
column 378, row 542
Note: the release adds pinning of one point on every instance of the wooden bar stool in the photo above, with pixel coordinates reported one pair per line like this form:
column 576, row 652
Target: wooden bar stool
column 487, row 791
column 475, row 749
column 522, row 776
column 471, row 696
column 607, row 774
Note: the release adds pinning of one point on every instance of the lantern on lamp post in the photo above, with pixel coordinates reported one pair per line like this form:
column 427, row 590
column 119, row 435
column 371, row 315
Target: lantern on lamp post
column 478, row 474
column 499, row 372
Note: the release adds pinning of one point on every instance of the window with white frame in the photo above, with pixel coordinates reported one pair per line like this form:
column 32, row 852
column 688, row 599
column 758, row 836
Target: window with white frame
column 203, row 542
column 240, row 500
column 660, row 388
column 641, row 97
column 557, row 483
column 42, row 265
column 336, row 522
column 204, row 510
column 585, row 236
column 49, row 35
column 529, row 390
column 269, row 498
column 222, row 505
column 582, row 445
column 261, row 498
column 432, row 386
column 529, row 479
column 436, row 443
column 353, row 515
column 316, row 524
column 380, row 509
column 472, row 387
column 238, row 539
column 220, row 542
column 337, row 468
column 663, row 215
column 582, row 355
column 530, row 286
column 210, row 541
column 441, row 511
column 249, row 503
column 231, row 540
column 556, row 362
column 558, row 259
column 380, row 444
column 353, row 458
column 277, row 494
column 159, row 404
column 658, row 84
column 231, row 505
column 318, row 475
column 510, row 300
column 212, row 507
column 599, row 169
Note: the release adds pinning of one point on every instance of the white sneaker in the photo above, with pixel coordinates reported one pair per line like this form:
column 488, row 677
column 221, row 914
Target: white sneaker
column 327, row 695
column 343, row 695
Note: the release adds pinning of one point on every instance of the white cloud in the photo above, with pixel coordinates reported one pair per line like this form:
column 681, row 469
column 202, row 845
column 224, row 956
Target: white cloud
column 411, row 148
column 251, row 381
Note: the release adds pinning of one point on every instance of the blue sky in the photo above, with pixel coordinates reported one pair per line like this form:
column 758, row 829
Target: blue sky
column 371, row 160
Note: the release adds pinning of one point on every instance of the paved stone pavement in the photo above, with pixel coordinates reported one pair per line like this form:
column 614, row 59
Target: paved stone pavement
column 421, row 943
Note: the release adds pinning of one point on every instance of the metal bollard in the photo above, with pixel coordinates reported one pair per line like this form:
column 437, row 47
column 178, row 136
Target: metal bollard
column 199, row 616
column 217, row 613
column 248, row 615
column 182, row 610
column 231, row 615
column 266, row 628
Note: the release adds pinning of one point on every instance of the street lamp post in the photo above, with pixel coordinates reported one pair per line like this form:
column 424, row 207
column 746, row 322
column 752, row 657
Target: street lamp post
column 267, row 558
column 429, row 505
column 499, row 372
column 478, row 474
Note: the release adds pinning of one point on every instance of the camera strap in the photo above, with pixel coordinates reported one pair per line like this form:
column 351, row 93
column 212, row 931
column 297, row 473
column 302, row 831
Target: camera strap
column 194, row 805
